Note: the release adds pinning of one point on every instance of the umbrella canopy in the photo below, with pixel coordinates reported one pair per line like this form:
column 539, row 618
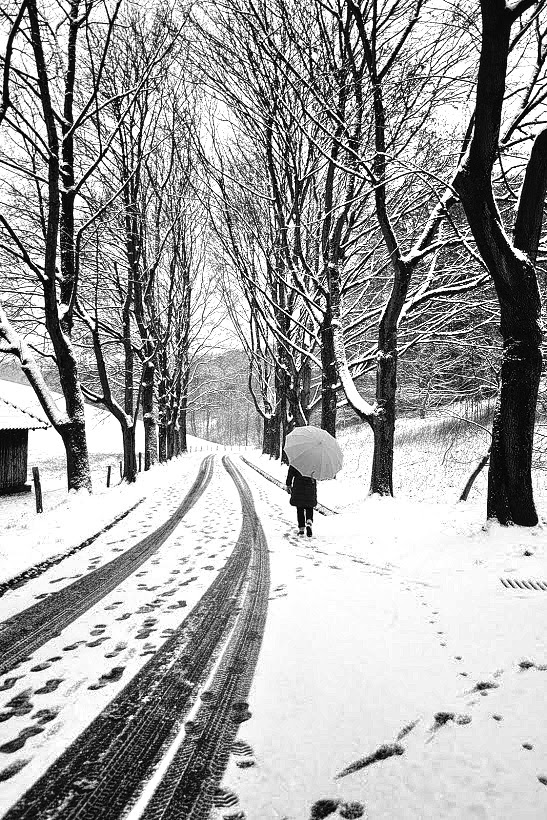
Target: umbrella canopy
column 314, row 452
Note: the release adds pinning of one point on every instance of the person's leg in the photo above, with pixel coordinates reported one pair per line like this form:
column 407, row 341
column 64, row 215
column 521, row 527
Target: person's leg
column 309, row 520
column 301, row 516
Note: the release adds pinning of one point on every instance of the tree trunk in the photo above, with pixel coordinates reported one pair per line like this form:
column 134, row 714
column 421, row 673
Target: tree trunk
column 149, row 421
column 176, row 441
column 276, row 434
column 267, row 435
column 329, row 376
column 183, row 414
column 510, row 491
column 129, row 454
column 77, row 458
column 381, row 479
column 170, row 441
column 162, row 443
column 513, row 272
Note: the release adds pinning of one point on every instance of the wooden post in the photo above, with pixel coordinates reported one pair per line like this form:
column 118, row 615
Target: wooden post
column 108, row 473
column 140, row 462
column 37, row 489
column 121, row 470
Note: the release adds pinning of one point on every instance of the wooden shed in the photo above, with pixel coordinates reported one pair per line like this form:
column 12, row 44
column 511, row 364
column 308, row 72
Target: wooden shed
column 15, row 422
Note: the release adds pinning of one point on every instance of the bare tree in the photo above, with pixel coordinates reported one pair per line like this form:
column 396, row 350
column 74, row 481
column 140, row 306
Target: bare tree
column 46, row 123
column 511, row 264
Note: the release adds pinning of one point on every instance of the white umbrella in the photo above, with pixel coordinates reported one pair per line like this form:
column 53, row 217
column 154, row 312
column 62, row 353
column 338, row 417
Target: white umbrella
column 314, row 452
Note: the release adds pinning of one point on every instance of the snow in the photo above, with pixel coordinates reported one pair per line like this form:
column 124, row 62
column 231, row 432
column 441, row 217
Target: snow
column 400, row 613
column 389, row 626
column 68, row 519
column 159, row 591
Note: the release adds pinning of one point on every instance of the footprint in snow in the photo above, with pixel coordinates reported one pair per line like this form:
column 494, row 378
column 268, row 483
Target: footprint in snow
column 45, row 716
column 72, row 646
column 323, row 808
column 351, row 811
column 40, row 667
column 124, row 617
column 97, row 641
column 20, row 701
column 11, row 770
column 110, row 677
column 382, row 753
column 442, row 718
column 17, row 743
column 116, row 651
column 50, row 686
column 8, row 683
column 23, row 708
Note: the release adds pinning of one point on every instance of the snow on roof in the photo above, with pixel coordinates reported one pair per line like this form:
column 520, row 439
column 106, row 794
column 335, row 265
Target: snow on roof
column 13, row 417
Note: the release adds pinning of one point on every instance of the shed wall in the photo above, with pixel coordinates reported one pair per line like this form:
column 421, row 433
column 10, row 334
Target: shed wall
column 13, row 458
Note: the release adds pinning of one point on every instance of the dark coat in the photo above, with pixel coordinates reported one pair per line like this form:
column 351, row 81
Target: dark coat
column 303, row 489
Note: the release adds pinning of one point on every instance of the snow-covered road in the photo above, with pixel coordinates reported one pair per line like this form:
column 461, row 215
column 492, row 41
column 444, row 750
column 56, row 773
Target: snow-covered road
column 52, row 696
column 397, row 676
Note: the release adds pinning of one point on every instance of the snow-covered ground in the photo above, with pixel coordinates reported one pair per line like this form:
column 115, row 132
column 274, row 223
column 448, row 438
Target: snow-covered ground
column 398, row 676
column 392, row 622
column 27, row 538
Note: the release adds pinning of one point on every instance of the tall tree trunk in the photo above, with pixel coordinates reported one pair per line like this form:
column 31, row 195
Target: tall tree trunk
column 276, row 435
column 148, row 415
column 381, row 479
column 162, row 443
column 129, row 453
column 329, row 376
column 77, row 457
column 510, row 491
column 183, row 412
column 267, row 435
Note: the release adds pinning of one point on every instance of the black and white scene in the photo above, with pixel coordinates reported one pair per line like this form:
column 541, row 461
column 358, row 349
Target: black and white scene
column 273, row 409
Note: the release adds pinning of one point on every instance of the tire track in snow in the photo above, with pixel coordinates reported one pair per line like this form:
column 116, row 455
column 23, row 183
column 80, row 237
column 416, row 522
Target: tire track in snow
column 99, row 775
column 30, row 629
column 191, row 783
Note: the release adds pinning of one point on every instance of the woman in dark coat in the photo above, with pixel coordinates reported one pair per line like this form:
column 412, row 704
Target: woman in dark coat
column 303, row 492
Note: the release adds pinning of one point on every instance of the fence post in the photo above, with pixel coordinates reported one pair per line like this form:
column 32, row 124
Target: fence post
column 108, row 472
column 37, row 489
column 140, row 462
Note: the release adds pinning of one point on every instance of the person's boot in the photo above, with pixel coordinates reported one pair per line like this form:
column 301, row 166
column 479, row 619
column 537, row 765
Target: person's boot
column 300, row 530
column 308, row 528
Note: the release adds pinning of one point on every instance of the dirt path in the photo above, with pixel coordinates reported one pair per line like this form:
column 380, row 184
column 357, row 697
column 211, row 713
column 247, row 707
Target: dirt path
column 102, row 771
column 28, row 630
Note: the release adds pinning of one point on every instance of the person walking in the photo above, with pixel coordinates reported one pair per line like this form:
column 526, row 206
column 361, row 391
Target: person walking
column 303, row 491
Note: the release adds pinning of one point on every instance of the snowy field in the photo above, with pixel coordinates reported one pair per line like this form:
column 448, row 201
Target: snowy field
column 398, row 676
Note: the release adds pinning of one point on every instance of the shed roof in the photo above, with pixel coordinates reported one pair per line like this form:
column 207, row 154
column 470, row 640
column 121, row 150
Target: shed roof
column 13, row 417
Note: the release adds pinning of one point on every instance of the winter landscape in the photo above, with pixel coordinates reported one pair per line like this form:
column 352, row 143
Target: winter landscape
column 238, row 238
